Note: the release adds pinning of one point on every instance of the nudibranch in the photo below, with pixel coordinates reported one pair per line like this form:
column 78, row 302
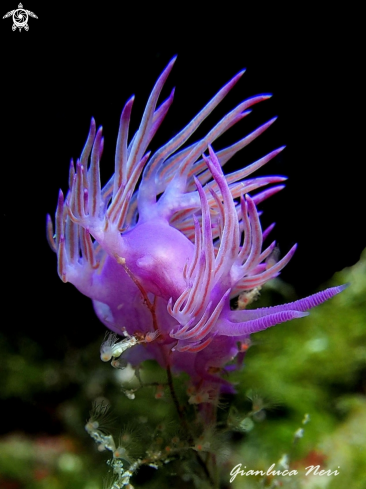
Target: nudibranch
column 170, row 240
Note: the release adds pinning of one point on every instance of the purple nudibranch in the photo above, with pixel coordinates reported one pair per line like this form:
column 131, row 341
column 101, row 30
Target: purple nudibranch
column 161, row 262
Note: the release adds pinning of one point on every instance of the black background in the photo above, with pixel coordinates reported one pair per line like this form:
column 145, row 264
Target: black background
column 78, row 62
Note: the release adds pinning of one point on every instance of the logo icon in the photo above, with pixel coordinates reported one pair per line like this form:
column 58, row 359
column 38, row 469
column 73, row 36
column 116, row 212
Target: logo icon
column 20, row 17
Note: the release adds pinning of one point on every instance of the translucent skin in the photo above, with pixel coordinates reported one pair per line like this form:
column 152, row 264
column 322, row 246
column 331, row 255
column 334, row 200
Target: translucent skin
column 158, row 253
column 168, row 257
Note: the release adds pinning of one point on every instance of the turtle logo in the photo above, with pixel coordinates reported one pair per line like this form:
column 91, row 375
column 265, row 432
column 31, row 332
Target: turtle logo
column 20, row 17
